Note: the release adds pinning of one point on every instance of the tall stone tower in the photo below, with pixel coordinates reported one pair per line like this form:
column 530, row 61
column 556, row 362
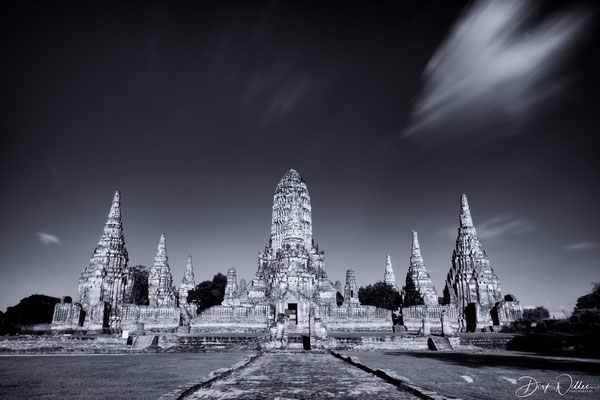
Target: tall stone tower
column 419, row 289
column 187, row 283
column 105, row 278
column 291, row 220
column 231, row 289
column 389, row 276
column 471, row 279
column 290, row 257
column 351, row 289
column 160, row 280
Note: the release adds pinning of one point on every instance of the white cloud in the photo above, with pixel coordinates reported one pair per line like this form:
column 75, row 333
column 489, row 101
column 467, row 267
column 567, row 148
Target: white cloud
column 495, row 227
column 48, row 238
column 287, row 98
column 581, row 246
column 502, row 225
column 496, row 68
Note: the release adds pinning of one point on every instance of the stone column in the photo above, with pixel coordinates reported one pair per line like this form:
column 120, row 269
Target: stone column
column 425, row 327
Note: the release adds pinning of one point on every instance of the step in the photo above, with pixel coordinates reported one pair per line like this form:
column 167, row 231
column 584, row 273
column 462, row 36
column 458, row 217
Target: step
column 436, row 343
column 145, row 341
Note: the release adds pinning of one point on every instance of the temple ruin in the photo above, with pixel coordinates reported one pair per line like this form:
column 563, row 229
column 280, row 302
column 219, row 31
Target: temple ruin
column 472, row 298
column 290, row 289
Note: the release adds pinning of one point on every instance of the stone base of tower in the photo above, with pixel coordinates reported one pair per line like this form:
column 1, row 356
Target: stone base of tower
column 82, row 317
column 233, row 319
column 153, row 319
column 298, row 319
column 414, row 317
column 474, row 318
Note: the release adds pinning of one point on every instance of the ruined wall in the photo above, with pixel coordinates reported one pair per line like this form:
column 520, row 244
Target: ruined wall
column 413, row 317
column 150, row 318
column 355, row 318
column 233, row 319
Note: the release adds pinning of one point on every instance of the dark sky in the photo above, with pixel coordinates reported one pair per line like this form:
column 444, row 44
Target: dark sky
column 389, row 112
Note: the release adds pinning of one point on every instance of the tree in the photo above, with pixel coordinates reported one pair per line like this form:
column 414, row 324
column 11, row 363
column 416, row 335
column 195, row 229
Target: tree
column 339, row 298
column 140, row 285
column 35, row 309
column 536, row 315
column 7, row 326
column 586, row 314
column 380, row 295
column 208, row 293
column 590, row 300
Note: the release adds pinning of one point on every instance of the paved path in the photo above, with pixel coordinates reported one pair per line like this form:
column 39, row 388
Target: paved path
column 300, row 375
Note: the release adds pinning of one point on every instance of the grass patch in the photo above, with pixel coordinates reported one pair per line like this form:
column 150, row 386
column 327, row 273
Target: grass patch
column 96, row 377
column 485, row 375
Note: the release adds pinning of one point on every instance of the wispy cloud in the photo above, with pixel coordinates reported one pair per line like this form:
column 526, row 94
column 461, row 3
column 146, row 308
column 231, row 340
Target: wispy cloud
column 48, row 238
column 581, row 246
column 497, row 67
column 502, row 225
column 495, row 227
column 287, row 98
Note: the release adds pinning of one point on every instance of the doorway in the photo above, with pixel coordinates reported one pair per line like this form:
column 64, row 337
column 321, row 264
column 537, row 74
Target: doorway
column 293, row 307
column 495, row 317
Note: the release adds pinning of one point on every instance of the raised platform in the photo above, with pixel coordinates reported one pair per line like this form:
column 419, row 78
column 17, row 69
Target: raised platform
column 231, row 341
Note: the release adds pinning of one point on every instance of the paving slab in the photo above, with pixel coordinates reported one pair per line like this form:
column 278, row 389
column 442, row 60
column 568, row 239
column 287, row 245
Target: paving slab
column 300, row 375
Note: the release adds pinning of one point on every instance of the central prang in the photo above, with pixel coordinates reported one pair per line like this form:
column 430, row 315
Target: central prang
column 290, row 274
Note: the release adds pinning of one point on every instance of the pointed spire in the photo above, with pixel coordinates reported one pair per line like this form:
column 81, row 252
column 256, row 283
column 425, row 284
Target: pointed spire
column 388, row 263
column 419, row 289
column 109, row 261
column 189, row 271
column 160, row 280
column 162, row 246
column 415, row 255
column 389, row 276
column 115, row 208
column 465, row 212
column 112, row 234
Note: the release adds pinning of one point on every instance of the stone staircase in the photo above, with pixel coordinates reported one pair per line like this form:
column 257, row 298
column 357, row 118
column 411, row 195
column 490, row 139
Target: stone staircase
column 143, row 342
column 439, row 343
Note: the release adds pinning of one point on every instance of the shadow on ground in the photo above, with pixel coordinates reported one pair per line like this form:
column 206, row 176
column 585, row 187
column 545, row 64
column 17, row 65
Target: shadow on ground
column 522, row 361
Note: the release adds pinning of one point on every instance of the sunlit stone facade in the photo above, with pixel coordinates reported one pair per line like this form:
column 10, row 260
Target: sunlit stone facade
column 419, row 289
column 291, row 278
column 472, row 296
column 160, row 280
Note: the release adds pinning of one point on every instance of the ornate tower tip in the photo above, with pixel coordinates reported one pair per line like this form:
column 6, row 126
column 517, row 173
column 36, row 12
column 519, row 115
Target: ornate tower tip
column 117, row 196
column 465, row 212
column 415, row 242
column 463, row 201
column 292, row 174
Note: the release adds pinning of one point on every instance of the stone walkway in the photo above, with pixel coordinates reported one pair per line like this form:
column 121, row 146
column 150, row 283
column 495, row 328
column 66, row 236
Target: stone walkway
column 300, row 375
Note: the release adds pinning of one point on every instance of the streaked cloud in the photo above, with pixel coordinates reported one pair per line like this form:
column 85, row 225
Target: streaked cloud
column 497, row 68
column 48, row 238
column 287, row 98
column 495, row 227
column 581, row 246
column 502, row 225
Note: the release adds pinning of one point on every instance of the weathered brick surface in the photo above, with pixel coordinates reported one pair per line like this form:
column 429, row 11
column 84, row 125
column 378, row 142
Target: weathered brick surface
column 300, row 375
